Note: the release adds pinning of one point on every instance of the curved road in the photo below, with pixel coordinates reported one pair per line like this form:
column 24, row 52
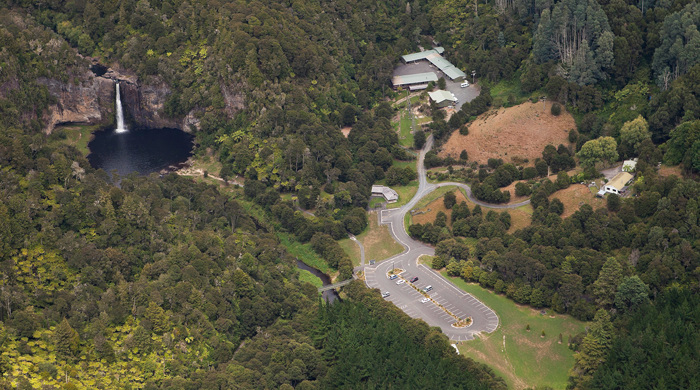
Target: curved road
column 444, row 292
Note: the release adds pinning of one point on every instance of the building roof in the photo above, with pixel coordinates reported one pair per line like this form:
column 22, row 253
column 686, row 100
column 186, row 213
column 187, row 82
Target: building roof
column 421, row 55
column 417, row 87
column 418, row 78
column 619, row 181
column 388, row 194
column 629, row 165
column 445, row 66
column 442, row 95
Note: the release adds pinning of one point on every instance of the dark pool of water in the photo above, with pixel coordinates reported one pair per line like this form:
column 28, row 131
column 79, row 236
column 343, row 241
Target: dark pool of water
column 139, row 150
column 330, row 295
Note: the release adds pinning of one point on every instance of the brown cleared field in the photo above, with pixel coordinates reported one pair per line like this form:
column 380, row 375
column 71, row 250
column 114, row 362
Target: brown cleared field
column 519, row 132
column 520, row 217
column 575, row 196
column 666, row 170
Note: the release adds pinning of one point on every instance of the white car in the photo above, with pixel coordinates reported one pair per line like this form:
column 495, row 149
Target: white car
column 401, row 281
column 465, row 84
column 385, row 294
column 425, row 300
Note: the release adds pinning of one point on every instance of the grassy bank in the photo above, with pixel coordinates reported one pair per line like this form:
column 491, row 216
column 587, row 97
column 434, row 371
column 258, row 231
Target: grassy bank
column 524, row 359
column 306, row 276
column 75, row 135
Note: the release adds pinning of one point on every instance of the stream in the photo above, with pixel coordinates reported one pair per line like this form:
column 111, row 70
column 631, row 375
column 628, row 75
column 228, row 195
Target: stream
column 330, row 295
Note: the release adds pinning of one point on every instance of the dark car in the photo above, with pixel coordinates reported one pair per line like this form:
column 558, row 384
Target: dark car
column 414, row 279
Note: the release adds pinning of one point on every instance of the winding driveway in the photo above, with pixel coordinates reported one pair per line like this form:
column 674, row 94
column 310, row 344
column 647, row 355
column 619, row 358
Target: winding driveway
column 446, row 298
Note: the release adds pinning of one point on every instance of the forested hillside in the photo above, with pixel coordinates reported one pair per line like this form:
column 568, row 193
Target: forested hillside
column 164, row 282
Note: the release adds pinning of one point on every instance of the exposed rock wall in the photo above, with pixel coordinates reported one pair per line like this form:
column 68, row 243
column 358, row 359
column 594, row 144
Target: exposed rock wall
column 91, row 101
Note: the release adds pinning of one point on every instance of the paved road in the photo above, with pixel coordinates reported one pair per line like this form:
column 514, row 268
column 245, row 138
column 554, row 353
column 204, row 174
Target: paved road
column 444, row 292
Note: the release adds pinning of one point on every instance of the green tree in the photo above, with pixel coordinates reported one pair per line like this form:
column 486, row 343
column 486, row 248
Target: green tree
column 603, row 149
column 631, row 293
column 419, row 139
column 441, row 83
column 634, row 132
column 684, row 146
column 449, row 200
column 66, row 339
column 157, row 317
column 594, row 348
column 613, row 202
column 605, row 286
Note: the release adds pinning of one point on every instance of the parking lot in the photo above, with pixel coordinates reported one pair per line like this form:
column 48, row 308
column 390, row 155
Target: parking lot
column 443, row 293
column 463, row 94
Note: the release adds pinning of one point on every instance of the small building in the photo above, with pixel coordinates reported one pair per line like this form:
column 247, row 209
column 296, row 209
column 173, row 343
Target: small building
column 629, row 165
column 442, row 98
column 414, row 80
column 390, row 195
column 617, row 184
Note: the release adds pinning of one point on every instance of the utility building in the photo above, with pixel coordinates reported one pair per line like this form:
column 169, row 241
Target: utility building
column 442, row 98
column 414, row 82
column 434, row 57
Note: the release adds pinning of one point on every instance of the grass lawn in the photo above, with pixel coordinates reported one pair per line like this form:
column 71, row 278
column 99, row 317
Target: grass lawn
column 520, row 217
column 404, row 164
column 522, row 358
column 306, row 276
column 377, row 240
column 504, row 88
column 374, row 202
column 351, row 248
column 78, row 136
column 405, row 134
column 305, row 253
column 405, row 194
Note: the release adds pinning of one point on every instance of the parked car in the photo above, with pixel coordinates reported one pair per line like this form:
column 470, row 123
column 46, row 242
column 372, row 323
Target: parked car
column 414, row 279
column 428, row 288
column 465, row 84
column 400, row 281
column 424, row 300
column 385, row 294
column 392, row 277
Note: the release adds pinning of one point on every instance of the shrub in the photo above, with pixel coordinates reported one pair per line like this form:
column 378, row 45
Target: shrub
column 522, row 189
column 463, row 155
column 464, row 130
column 556, row 109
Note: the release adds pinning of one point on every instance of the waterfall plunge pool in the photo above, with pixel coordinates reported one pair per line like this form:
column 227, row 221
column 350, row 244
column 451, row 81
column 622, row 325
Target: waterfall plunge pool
column 139, row 150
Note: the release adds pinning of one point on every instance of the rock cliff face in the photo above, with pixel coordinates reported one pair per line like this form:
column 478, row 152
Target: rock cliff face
column 86, row 102
column 91, row 101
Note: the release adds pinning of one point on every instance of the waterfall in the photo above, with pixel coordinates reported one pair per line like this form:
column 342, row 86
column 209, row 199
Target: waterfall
column 121, row 128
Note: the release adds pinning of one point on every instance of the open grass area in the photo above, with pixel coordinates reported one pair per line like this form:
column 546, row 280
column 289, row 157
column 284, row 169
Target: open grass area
column 405, row 132
column 577, row 195
column 377, row 240
column 374, row 202
column 351, row 248
column 520, row 217
column 524, row 359
column 76, row 135
column 405, row 194
column 305, row 253
column 502, row 91
column 513, row 134
column 404, row 164
column 306, row 276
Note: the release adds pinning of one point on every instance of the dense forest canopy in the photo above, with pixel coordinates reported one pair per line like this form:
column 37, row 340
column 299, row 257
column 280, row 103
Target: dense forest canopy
column 170, row 283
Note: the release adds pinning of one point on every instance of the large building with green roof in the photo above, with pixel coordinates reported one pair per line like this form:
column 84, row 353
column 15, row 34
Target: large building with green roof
column 434, row 57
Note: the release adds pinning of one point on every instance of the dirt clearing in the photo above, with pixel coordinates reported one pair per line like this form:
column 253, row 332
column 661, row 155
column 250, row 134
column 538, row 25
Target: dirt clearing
column 519, row 133
column 575, row 196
